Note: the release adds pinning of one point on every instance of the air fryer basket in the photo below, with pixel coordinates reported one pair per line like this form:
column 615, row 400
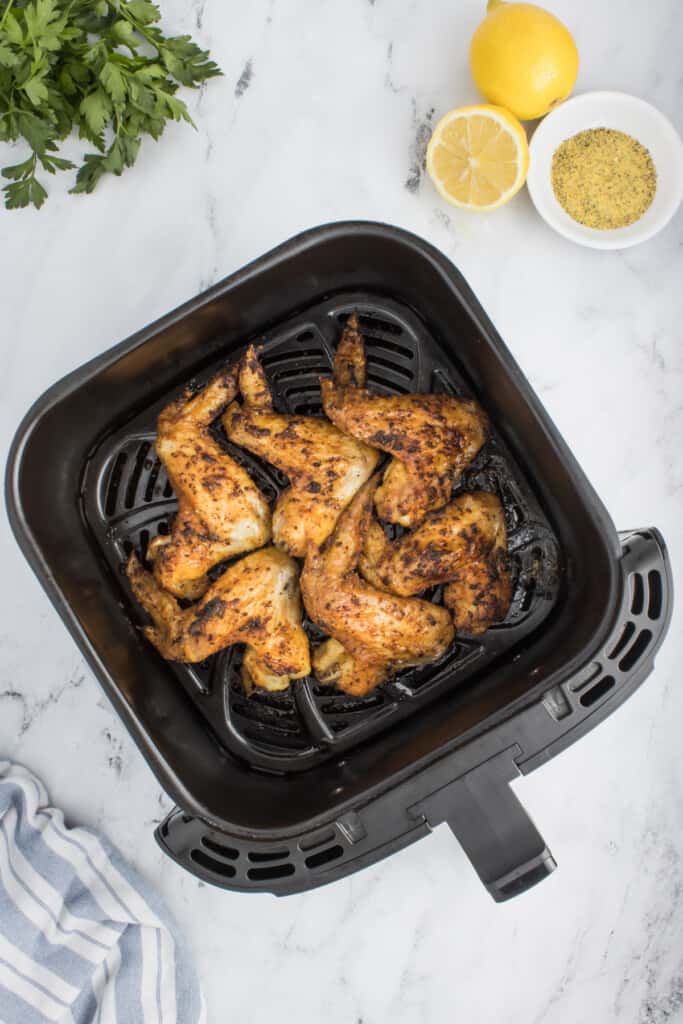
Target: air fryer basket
column 127, row 499
column 284, row 792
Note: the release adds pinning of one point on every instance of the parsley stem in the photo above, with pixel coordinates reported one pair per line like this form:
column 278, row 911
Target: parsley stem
column 6, row 12
column 148, row 37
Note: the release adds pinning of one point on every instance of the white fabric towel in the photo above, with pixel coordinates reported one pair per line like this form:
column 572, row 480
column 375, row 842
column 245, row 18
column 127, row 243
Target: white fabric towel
column 83, row 940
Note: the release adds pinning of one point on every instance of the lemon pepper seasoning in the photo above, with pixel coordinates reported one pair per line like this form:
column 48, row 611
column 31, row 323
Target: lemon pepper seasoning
column 603, row 178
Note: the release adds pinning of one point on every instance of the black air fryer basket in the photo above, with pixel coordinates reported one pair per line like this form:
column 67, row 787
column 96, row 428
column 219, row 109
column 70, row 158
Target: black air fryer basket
column 286, row 791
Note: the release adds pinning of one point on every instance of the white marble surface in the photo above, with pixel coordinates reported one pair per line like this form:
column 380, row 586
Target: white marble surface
column 319, row 117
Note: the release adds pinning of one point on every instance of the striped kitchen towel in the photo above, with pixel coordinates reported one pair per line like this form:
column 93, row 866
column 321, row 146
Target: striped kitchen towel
column 83, row 939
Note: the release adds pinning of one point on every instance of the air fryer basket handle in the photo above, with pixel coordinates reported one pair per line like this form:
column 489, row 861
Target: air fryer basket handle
column 505, row 847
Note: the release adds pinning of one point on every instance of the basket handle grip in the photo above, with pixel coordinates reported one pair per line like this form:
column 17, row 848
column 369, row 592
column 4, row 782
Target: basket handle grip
column 504, row 846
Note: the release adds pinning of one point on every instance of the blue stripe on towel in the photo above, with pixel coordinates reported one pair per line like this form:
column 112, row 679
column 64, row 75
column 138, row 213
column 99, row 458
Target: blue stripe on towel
column 72, row 916
column 58, row 871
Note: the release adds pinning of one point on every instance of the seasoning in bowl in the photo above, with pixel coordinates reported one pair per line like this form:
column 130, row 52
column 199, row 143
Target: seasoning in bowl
column 603, row 178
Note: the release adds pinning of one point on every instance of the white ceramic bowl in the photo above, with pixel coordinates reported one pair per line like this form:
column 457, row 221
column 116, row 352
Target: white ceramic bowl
column 626, row 114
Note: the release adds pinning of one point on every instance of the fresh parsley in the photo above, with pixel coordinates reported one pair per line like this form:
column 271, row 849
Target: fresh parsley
column 103, row 67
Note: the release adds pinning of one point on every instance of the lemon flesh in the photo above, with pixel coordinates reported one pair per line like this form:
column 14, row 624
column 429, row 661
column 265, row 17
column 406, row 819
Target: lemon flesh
column 478, row 157
column 523, row 58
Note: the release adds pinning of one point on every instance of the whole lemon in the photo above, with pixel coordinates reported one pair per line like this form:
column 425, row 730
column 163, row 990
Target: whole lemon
column 523, row 58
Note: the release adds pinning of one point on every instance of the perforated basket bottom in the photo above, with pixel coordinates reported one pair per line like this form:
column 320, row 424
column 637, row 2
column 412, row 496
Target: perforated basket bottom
column 127, row 500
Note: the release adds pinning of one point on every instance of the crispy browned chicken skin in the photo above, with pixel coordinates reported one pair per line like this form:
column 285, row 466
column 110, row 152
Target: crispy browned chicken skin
column 463, row 545
column 373, row 634
column 221, row 511
column 324, row 466
column 432, row 438
column 256, row 602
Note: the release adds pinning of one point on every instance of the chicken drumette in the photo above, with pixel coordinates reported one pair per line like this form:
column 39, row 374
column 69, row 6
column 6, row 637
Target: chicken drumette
column 256, row 602
column 221, row 511
column 431, row 437
column 463, row 545
column 373, row 634
column 325, row 467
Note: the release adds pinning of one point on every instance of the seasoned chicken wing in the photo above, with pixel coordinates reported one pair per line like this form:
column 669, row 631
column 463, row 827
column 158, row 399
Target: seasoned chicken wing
column 221, row 511
column 256, row 602
column 432, row 438
column 373, row 634
column 325, row 467
column 463, row 545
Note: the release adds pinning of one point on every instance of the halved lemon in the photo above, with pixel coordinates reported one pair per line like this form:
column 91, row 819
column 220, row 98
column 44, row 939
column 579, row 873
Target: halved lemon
column 478, row 157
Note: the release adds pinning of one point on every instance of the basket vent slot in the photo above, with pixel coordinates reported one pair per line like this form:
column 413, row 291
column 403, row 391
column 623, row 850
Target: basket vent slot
column 380, row 384
column 301, row 389
column 223, row 851
column 316, row 860
column 635, row 652
column 637, row 594
column 392, row 365
column 269, row 360
column 274, row 871
column 623, row 641
column 115, row 483
column 654, row 605
column 257, row 856
column 217, row 867
column 375, row 323
column 134, row 479
column 298, row 373
column 597, row 691
column 152, row 480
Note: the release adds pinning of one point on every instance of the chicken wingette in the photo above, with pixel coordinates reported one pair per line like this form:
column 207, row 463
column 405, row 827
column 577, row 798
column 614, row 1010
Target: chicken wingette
column 256, row 602
column 325, row 467
column 463, row 545
column 221, row 511
column 372, row 634
column 432, row 438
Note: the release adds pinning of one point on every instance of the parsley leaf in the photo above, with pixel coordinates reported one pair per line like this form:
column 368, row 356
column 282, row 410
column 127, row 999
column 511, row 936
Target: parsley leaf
column 143, row 11
column 111, row 77
column 103, row 68
column 96, row 109
column 8, row 58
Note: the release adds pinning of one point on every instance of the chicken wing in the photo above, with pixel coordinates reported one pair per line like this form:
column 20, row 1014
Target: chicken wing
column 373, row 634
column 463, row 545
column 256, row 602
column 432, row 438
column 221, row 511
column 325, row 467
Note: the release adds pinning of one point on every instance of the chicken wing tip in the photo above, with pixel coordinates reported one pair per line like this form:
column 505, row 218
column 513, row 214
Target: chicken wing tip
column 349, row 361
column 253, row 383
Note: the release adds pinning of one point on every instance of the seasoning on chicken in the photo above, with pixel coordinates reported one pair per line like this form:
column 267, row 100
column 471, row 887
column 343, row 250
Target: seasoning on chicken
column 373, row 634
column 325, row 467
column 221, row 511
column 432, row 438
column 256, row 602
column 463, row 545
